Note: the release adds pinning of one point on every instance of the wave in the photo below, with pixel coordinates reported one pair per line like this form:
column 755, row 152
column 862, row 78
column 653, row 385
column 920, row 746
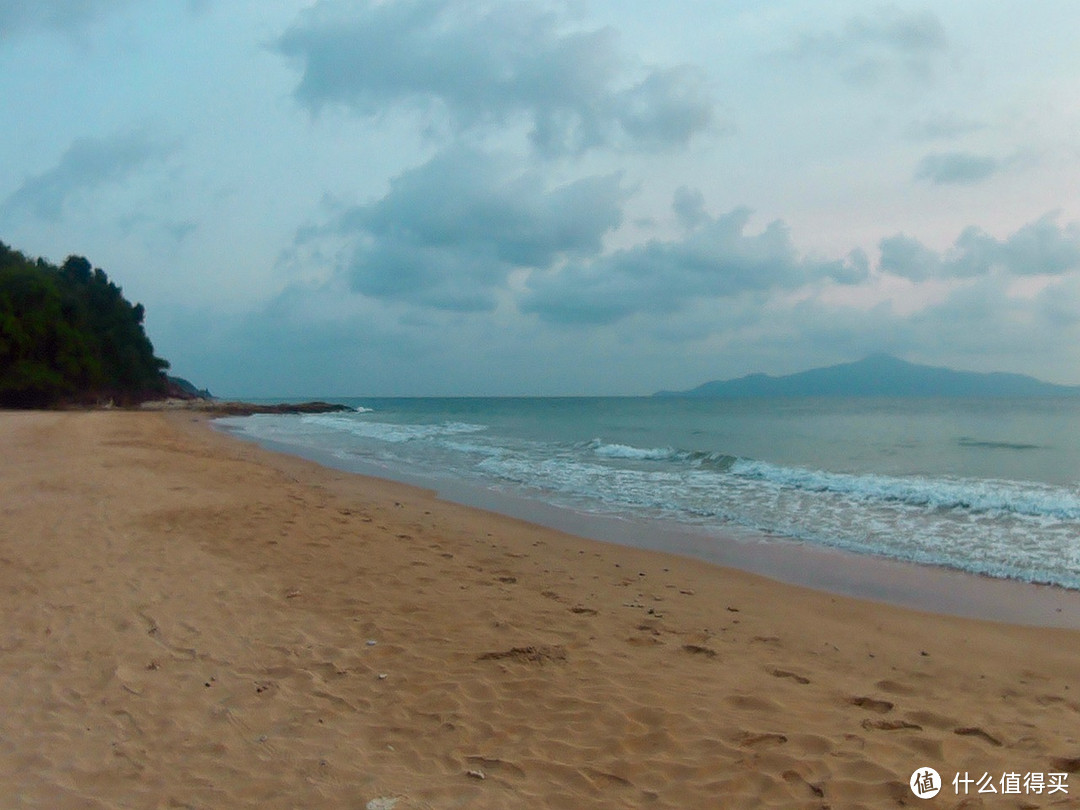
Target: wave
column 720, row 462
column 1020, row 498
column 695, row 458
column 976, row 496
column 1005, row 528
column 630, row 453
column 391, row 431
column 1028, row 499
column 967, row 441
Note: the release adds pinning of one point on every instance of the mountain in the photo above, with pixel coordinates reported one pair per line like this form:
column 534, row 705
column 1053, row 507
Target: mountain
column 185, row 389
column 879, row 375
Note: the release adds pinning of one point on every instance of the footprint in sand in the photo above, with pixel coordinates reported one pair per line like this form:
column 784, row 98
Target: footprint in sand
column 783, row 673
column 492, row 764
column 895, row 687
column 890, row 725
column 752, row 740
column 605, row 779
column 871, row 704
column 540, row 654
column 975, row 731
column 697, row 649
column 1066, row 764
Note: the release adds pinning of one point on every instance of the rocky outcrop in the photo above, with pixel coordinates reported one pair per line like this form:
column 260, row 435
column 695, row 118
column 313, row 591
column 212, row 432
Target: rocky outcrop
column 216, row 407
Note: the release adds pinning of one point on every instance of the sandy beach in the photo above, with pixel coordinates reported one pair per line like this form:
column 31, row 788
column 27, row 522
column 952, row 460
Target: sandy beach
column 191, row 621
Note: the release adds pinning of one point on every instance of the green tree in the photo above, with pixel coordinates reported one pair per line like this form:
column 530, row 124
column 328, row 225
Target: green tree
column 68, row 333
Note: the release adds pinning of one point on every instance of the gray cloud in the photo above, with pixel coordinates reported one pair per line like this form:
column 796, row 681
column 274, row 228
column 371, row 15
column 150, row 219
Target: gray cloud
column 479, row 64
column 321, row 340
column 87, row 164
column 689, row 207
column 179, row 231
column 709, row 298
column 1041, row 247
column 956, row 168
column 307, row 340
column 902, row 255
column 867, row 50
column 942, row 127
column 1059, row 304
column 19, row 15
column 448, row 233
column 717, row 259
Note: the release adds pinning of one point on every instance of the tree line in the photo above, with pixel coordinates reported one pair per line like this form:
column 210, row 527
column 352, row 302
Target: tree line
column 68, row 336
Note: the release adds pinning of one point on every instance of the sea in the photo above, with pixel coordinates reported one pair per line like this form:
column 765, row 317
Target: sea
column 985, row 486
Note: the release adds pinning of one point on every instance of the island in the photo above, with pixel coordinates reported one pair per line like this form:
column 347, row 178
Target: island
column 879, row 375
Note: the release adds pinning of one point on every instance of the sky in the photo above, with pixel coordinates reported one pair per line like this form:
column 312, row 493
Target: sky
column 608, row 197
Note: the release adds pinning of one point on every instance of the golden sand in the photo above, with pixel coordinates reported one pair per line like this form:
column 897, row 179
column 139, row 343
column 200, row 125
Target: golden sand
column 191, row 621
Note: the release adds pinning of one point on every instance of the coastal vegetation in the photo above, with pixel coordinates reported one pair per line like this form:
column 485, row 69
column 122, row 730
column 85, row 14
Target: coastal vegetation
column 68, row 336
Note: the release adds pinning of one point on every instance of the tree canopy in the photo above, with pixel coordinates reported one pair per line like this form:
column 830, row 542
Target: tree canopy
column 67, row 334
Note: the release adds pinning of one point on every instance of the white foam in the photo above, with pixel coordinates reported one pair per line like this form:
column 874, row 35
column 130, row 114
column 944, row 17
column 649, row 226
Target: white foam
column 390, row 431
column 1017, row 529
column 978, row 495
column 630, row 453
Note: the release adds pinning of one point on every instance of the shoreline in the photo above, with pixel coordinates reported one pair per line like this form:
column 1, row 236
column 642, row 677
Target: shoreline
column 834, row 571
column 196, row 621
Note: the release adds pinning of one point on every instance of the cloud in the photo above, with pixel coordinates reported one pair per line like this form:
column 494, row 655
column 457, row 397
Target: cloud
column 942, row 127
column 979, row 325
column 21, row 15
column 689, row 207
column 985, row 321
column 956, row 168
column 18, row 16
column 180, row 231
column 448, row 233
column 904, row 256
column 307, row 340
column 480, row 64
column 87, row 164
column 320, row 339
column 867, row 50
column 721, row 299
column 715, row 259
column 1039, row 248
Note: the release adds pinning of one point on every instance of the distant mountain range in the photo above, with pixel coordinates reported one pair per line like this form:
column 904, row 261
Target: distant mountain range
column 879, row 375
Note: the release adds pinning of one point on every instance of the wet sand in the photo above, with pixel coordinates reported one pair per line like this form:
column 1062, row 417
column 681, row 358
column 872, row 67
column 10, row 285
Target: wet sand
column 193, row 621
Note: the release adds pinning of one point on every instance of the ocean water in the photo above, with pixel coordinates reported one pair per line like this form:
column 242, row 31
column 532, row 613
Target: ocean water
column 984, row 486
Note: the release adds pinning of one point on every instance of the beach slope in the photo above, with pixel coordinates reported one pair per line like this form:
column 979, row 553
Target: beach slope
column 192, row 621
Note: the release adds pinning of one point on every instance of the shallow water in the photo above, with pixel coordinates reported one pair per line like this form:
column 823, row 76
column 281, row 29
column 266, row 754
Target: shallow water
column 984, row 486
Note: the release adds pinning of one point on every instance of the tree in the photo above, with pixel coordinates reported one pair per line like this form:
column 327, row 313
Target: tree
column 68, row 334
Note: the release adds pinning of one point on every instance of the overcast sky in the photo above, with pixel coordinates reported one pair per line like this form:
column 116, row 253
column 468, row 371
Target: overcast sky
column 448, row 197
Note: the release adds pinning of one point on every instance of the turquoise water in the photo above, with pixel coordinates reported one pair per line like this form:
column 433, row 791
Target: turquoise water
column 987, row 486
